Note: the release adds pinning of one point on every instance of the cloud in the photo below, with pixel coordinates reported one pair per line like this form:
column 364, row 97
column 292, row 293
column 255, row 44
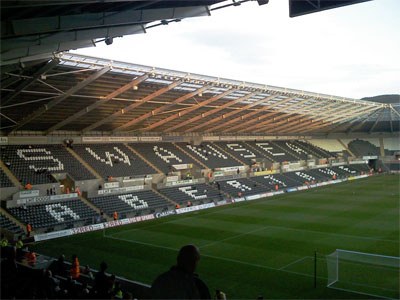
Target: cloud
column 350, row 51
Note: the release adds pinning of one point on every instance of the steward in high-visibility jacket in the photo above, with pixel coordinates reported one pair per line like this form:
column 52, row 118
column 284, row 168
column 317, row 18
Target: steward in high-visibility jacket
column 115, row 216
column 28, row 230
column 75, row 270
column 4, row 241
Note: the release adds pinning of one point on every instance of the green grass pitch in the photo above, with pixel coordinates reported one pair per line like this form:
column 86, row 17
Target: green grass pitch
column 263, row 247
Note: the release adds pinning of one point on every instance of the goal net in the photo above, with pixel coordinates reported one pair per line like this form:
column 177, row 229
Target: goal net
column 364, row 273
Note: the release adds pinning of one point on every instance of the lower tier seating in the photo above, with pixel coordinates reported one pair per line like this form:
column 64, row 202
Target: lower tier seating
column 52, row 214
column 130, row 202
column 195, row 193
column 242, row 187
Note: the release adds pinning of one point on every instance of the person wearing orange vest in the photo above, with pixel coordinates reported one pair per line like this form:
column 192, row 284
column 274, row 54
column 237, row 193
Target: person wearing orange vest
column 28, row 230
column 75, row 270
column 30, row 257
column 276, row 187
column 28, row 186
column 115, row 215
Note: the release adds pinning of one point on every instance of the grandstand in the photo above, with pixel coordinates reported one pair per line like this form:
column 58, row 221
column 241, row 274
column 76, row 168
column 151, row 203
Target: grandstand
column 83, row 138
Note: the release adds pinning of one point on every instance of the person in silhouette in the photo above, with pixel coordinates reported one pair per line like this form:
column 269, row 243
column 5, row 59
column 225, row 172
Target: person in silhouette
column 181, row 281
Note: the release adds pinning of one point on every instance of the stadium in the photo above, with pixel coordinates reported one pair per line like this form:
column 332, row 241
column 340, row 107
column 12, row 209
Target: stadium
column 286, row 193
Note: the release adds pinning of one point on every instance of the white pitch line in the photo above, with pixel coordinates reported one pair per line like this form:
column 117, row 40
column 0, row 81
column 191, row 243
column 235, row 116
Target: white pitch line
column 216, row 257
column 295, row 262
column 233, row 237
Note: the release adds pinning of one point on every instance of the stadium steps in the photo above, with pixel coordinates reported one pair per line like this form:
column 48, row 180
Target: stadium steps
column 84, row 163
column 346, row 147
column 191, row 156
column 144, row 159
column 227, row 153
column 15, row 220
column 94, row 207
column 164, row 197
column 10, row 175
column 259, row 152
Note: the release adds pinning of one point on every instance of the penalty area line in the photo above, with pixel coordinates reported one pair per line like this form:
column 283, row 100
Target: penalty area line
column 216, row 257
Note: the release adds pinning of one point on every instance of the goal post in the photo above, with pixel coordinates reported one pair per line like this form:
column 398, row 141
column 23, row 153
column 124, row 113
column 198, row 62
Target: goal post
column 364, row 273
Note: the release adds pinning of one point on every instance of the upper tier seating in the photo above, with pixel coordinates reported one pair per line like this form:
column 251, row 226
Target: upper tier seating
column 35, row 163
column 163, row 155
column 114, row 160
column 363, row 148
column 239, row 150
column 4, row 180
column 295, row 152
column 210, row 155
column 272, row 151
column 242, row 187
column 130, row 202
column 194, row 193
column 313, row 149
column 57, row 213
column 9, row 225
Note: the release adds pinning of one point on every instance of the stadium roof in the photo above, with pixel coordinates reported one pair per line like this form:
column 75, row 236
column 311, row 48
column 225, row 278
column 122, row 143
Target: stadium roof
column 85, row 95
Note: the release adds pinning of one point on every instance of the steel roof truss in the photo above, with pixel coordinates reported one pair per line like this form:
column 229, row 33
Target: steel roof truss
column 61, row 98
column 96, row 104
column 134, row 105
column 188, row 110
column 213, row 111
column 157, row 111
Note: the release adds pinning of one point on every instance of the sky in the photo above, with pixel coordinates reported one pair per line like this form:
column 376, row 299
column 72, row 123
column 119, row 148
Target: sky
column 352, row 51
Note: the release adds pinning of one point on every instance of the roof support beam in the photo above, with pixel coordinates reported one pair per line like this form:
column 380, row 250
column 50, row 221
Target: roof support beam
column 188, row 110
column 325, row 120
column 213, row 111
column 134, row 105
column 162, row 108
column 377, row 120
column 27, row 82
column 293, row 121
column 391, row 118
column 250, row 114
column 62, row 97
column 262, row 124
column 232, row 113
column 91, row 107
column 341, row 118
column 350, row 128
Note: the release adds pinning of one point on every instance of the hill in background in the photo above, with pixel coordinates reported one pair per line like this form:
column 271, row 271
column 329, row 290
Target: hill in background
column 384, row 99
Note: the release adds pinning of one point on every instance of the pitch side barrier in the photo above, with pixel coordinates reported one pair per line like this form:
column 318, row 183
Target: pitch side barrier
column 101, row 226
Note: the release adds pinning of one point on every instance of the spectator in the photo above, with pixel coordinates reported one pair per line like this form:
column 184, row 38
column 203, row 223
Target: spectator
column 4, row 241
column 101, row 282
column 60, row 268
column 180, row 282
column 28, row 229
column 9, row 275
column 220, row 295
column 75, row 270
column 18, row 246
column 51, row 285
column 30, row 257
column 117, row 291
column 88, row 272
